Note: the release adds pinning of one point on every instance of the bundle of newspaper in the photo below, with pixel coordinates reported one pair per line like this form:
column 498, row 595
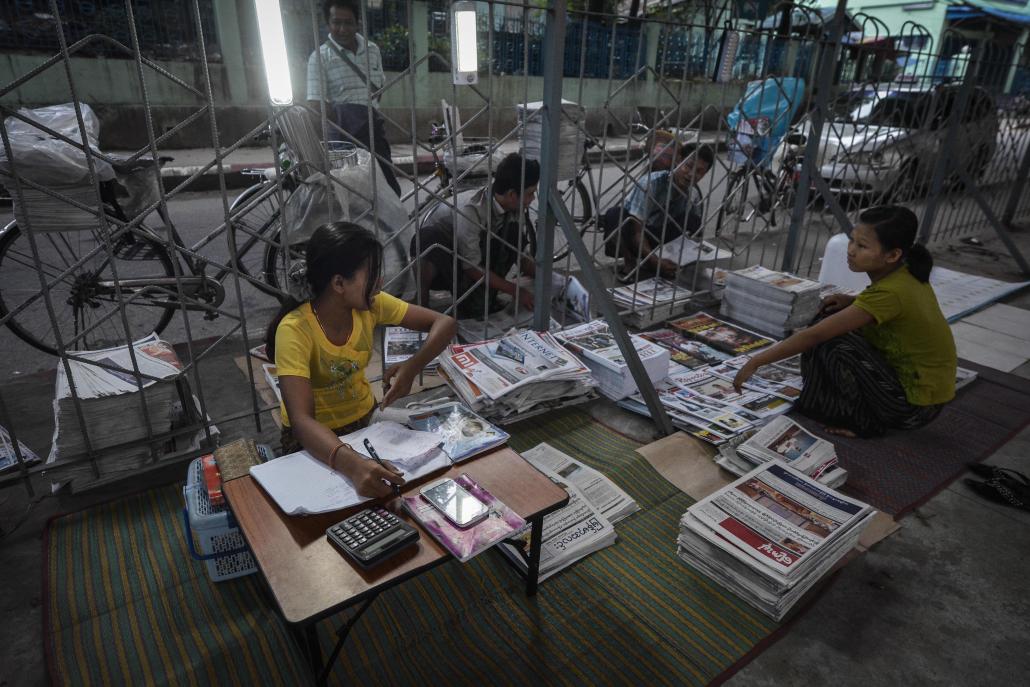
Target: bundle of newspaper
column 650, row 293
column 707, row 406
column 114, row 409
column 785, row 440
column 771, row 535
column 775, row 302
column 515, row 375
column 585, row 525
column 596, row 346
column 399, row 344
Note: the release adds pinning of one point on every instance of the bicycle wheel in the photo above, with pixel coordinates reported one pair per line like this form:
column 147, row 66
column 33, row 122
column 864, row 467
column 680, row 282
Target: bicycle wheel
column 280, row 274
column 85, row 302
column 576, row 199
column 734, row 202
column 256, row 222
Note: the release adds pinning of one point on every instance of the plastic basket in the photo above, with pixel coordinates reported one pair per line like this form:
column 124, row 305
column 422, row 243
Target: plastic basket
column 219, row 543
column 341, row 154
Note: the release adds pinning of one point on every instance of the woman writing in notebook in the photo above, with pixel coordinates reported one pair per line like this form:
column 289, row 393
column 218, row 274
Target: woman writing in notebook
column 321, row 347
column 886, row 358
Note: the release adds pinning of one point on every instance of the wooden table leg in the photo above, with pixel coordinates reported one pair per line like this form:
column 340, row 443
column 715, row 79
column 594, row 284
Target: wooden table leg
column 535, row 537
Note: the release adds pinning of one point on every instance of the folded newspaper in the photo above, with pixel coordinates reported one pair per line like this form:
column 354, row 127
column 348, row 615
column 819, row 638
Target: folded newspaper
column 8, row 456
column 649, row 293
column 506, row 377
column 118, row 407
column 583, row 526
column 400, row 344
column 771, row 535
column 784, row 440
column 596, row 346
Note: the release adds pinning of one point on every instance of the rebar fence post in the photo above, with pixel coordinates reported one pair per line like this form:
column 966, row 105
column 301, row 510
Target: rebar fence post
column 826, row 70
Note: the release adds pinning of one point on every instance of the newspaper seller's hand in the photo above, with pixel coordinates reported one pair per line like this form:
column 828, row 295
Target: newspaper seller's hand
column 667, row 268
column 526, row 299
column 369, row 478
column 397, row 382
column 835, row 302
column 744, row 374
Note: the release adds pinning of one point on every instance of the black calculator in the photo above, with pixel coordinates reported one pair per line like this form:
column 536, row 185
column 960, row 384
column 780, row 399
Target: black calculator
column 372, row 535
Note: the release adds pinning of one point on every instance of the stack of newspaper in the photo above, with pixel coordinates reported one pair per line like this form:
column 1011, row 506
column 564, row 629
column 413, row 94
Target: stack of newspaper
column 585, row 525
column 399, row 344
column 516, row 375
column 785, row 440
column 775, row 302
column 649, row 293
column 595, row 344
column 771, row 535
column 112, row 408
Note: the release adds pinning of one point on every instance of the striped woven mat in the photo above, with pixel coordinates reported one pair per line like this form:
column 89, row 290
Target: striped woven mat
column 126, row 604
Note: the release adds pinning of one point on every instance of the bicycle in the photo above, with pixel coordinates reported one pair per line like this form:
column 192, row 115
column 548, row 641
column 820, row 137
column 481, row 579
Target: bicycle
column 776, row 191
column 88, row 281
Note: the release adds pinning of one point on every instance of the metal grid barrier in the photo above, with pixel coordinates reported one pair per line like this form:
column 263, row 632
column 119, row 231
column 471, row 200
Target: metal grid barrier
column 779, row 188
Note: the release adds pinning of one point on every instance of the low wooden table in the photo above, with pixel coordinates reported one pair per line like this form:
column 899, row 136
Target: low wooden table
column 311, row 580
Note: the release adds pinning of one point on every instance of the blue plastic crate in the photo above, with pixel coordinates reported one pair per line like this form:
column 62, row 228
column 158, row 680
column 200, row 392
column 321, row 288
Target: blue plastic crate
column 219, row 543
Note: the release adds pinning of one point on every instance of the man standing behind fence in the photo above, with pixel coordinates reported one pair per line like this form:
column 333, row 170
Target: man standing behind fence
column 351, row 69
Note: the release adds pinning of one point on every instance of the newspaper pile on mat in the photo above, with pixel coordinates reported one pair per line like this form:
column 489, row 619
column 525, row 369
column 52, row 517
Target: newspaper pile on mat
column 585, row 525
column 523, row 372
column 595, row 344
column 771, row 535
column 776, row 302
column 649, row 293
column 787, row 441
column 115, row 410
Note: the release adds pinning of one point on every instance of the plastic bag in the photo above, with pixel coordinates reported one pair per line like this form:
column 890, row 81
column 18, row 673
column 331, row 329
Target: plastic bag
column 763, row 116
column 49, row 161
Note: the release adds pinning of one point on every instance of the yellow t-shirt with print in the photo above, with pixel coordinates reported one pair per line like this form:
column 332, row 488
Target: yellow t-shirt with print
column 912, row 334
column 337, row 373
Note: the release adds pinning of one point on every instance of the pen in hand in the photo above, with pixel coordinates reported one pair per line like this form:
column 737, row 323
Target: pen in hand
column 375, row 456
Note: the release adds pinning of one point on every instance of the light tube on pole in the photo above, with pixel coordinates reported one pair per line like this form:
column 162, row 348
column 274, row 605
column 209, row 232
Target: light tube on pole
column 273, row 50
column 464, row 43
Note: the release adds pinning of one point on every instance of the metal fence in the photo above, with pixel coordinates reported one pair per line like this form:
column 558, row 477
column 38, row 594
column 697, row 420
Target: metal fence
column 859, row 116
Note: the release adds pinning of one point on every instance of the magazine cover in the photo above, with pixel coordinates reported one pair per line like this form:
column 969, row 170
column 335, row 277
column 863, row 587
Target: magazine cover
column 463, row 544
column 721, row 335
column 464, row 434
column 687, row 352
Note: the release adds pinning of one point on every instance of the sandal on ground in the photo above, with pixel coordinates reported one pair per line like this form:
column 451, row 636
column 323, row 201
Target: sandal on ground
column 1003, row 491
column 992, row 471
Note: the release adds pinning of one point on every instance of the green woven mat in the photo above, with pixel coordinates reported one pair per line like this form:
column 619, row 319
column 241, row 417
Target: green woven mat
column 126, row 604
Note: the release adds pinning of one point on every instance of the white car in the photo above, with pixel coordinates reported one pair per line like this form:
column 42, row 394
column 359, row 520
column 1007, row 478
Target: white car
column 885, row 143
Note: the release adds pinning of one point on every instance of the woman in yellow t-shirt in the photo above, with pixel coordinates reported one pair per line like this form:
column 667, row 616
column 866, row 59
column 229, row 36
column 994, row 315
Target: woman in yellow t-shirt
column 882, row 360
column 321, row 347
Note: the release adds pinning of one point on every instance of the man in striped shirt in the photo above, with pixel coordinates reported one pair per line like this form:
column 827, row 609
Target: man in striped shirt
column 347, row 71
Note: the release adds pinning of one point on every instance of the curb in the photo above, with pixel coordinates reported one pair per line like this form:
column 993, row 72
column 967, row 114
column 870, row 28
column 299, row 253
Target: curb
column 238, row 176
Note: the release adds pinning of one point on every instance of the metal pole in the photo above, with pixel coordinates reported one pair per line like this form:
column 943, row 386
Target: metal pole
column 554, row 59
column 1017, row 189
column 814, row 136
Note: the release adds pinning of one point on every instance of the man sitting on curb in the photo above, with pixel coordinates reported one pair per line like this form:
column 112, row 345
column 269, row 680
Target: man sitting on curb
column 495, row 207
column 660, row 207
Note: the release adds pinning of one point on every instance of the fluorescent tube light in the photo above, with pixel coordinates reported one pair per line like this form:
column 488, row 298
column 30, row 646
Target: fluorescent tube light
column 464, row 43
column 273, row 49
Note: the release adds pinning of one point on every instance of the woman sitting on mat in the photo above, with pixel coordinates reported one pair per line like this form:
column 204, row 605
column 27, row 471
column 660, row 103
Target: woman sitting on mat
column 321, row 347
column 886, row 358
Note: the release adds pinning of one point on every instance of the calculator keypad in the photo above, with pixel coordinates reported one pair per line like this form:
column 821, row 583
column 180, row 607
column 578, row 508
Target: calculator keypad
column 371, row 534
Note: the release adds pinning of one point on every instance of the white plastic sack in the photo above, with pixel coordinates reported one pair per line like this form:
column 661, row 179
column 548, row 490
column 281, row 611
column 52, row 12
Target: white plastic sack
column 49, row 161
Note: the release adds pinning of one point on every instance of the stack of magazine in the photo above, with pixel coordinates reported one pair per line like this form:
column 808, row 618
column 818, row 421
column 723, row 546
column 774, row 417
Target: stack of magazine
column 771, row 535
column 775, row 302
column 400, row 344
column 720, row 335
column 685, row 351
column 708, row 407
column 8, row 457
column 516, row 375
column 113, row 408
column 787, row 441
column 596, row 346
column 582, row 527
